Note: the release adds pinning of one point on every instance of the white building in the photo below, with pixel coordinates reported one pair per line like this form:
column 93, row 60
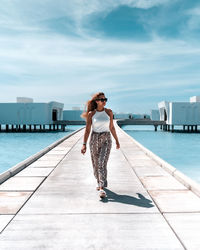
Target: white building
column 25, row 112
column 180, row 113
column 122, row 115
column 155, row 115
column 72, row 115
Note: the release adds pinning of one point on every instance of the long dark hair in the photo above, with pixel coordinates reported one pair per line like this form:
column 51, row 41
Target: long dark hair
column 91, row 104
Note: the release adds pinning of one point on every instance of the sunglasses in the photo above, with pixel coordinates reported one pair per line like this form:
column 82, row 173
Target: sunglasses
column 102, row 99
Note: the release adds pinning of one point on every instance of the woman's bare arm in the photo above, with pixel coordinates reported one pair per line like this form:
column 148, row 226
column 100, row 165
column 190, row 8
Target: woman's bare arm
column 87, row 131
column 112, row 128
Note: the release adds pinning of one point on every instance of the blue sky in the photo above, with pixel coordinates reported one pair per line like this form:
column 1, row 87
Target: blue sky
column 139, row 52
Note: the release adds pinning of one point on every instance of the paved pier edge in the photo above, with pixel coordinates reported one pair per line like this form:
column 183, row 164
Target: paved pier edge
column 25, row 163
column 181, row 177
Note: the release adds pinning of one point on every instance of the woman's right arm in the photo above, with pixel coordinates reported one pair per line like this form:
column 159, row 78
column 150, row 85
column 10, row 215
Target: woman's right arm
column 87, row 132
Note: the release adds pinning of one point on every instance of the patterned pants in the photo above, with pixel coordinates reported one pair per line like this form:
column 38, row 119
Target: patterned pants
column 100, row 146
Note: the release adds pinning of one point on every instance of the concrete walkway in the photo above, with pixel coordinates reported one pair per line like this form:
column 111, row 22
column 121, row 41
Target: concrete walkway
column 53, row 204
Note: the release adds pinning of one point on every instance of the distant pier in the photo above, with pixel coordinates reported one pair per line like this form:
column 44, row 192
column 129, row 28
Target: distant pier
column 60, row 125
column 141, row 122
column 31, row 127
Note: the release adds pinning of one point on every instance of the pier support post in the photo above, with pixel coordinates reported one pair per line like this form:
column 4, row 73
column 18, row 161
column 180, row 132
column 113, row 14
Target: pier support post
column 161, row 126
column 30, row 128
column 7, row 127
column 44, row 127
column 63, row 128
column 155, row 126
column 24, row 128
column 12, row 127
column 54, row 127
column 172, row 128
column 0, row 127
column 183, row 127
column 196, row 128
column 188, row 128
column 49, row 127
column 34, row 127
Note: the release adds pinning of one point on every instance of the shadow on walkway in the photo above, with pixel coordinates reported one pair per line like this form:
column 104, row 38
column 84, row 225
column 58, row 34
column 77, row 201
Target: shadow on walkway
column 127, row 199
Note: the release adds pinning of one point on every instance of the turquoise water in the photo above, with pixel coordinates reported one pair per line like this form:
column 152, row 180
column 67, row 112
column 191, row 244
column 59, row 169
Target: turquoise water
column 16, row 147
column 182, row 150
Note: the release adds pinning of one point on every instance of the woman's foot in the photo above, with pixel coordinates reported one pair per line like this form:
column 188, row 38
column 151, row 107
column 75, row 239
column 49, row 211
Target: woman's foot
column 102, row 193
column 97, row 187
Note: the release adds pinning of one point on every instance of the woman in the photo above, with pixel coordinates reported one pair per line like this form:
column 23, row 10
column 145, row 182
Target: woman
column 101, row 120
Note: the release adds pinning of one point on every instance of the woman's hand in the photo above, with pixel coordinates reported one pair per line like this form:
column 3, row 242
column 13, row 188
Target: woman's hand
column 83, row 150
column 117, row 145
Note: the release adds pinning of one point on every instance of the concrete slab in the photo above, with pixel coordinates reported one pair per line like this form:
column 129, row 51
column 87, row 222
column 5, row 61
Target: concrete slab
column 150, row 171
column 44, row 164
column 51, row 158
column 11, row 202
column 65, row 197
column 78, row 231
column 35, row 172
column 176, row 201
column 21, row 184
column 4, row 220
column 187, row 227
column 162, row 183
column 57, row 153
column 138, row 162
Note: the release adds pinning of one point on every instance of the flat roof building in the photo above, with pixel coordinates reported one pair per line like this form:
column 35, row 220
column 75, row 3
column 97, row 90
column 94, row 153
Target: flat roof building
column 26, row 112
column 180, row 113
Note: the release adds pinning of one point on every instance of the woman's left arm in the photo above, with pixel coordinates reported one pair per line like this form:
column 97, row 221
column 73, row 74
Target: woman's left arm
column 112, row 129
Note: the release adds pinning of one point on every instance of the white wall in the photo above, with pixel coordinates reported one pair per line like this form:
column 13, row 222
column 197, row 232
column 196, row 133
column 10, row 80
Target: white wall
column 184, row 113
column 164, row 108
column 180, row 113
column 29, row 113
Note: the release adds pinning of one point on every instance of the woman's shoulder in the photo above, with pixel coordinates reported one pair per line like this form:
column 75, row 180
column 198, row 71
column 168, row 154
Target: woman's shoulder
column 108, row 111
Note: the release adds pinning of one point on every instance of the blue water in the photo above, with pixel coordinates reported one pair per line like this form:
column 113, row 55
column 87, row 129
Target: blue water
column 182, row 150
column 16, row 147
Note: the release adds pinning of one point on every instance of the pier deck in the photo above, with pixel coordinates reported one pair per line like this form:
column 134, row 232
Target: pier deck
column 53, row 204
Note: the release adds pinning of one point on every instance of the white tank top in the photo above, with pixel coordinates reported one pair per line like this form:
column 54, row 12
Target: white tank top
column 100, row 121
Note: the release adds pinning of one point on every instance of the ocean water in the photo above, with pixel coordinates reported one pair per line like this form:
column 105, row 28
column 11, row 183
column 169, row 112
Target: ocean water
column 182, row 150
column 16, row 147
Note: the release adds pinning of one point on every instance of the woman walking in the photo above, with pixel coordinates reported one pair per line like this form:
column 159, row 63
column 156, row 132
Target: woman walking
column 101, row 120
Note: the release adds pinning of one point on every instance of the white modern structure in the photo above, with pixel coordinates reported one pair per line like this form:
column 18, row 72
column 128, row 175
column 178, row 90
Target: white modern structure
column 25, row 112
column 181, row 113
column 72, row 115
